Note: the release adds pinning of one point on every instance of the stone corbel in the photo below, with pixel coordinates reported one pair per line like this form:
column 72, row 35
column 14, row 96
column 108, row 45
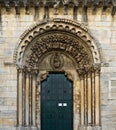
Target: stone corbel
column 36, row 15
column 7, row 6
column 27, row 8
column 17, row 8
column 85, row 13
column 69, row 76
column 105, row 7
column 75, row 9
column 65, row 3
column 95, row 5
column 113, row 10
column 114, row 7
column 46, row 12
column 56, row 6
column 43, row 76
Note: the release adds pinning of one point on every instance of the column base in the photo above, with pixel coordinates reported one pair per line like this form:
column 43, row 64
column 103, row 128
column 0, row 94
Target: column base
column 97, row 128
column 20, row 128
column 90, row 128
column 82, row 127
column 34, row 128
column 26, row 128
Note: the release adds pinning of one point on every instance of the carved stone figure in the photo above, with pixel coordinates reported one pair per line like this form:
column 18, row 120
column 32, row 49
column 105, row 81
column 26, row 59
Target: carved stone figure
column 56, row 61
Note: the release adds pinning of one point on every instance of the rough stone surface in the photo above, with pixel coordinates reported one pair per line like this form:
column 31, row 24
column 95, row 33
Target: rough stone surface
column 103, row 28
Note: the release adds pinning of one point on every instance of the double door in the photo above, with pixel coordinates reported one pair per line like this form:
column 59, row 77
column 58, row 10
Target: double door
column 56, row 103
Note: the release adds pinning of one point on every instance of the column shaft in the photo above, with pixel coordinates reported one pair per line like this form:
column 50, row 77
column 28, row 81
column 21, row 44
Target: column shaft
column 19, row 97
column 33, row 100
column 27, row 100
column 89, row 99
column 93, row 99
column 30, row 97
column 23, row 96
column 82, row 101
column 85, row 99
column 97, row 98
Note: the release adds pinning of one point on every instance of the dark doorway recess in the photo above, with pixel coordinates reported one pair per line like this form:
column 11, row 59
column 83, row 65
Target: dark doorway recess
column 57, row 103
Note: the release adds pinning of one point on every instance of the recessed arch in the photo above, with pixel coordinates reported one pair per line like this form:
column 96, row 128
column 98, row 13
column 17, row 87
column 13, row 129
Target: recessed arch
column 59, row 26
column 58, row 45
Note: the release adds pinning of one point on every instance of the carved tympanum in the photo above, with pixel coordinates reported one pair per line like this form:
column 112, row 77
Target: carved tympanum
column 58, row 41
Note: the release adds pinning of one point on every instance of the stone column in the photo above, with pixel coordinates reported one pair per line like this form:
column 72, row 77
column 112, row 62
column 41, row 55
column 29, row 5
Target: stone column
column 19, row 98
column 33, row 113
column 89, row 98
column 85, row 99
column 89, row 101
column 93, row 98
column 82, row 81
column 82, row 101
column 97, row 96
column 30, row 97
column 23, row 96
column 27, row 101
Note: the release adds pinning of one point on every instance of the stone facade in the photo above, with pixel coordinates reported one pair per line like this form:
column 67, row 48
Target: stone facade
column 101, row 25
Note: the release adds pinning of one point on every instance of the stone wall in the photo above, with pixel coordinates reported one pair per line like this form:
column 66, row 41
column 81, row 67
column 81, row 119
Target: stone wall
column 103, row 28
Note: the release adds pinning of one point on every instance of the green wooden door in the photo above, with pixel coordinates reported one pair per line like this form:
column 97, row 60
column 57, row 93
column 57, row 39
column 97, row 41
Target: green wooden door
column 56, row 103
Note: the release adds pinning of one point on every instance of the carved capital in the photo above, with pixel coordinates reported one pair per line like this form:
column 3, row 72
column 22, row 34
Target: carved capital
column 97, row 68
column 20, row 70
column 81, row 72
column 89, row 74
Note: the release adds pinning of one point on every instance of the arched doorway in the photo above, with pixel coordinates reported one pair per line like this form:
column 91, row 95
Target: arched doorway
column 63, row 46
column 56, row 103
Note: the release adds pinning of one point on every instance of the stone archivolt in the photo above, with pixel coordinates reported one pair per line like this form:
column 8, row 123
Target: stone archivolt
column 56, row 42
column 62, row 34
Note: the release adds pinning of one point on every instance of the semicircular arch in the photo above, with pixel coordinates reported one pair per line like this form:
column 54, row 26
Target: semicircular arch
column 57, row 34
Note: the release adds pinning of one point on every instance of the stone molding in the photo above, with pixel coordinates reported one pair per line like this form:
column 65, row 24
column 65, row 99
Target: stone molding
column 44, row 31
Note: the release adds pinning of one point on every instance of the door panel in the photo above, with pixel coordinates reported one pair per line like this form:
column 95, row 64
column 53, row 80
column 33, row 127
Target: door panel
column 56, row 103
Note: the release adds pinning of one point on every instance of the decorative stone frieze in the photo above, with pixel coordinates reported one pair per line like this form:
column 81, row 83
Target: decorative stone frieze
column 56, row 4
